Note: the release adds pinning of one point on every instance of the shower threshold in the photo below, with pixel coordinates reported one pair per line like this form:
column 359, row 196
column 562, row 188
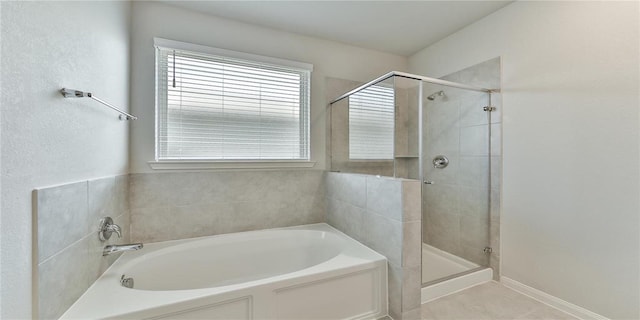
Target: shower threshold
column 444, row 273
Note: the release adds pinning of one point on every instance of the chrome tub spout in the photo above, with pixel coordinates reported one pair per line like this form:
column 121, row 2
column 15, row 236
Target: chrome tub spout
column 123, row 247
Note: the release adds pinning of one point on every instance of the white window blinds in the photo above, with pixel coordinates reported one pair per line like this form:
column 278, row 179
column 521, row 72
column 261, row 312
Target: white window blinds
column 371, row 124
column 212, row 107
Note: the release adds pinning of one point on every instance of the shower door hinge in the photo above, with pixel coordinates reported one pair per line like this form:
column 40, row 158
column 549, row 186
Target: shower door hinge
column 489, row 108
column 487, row 250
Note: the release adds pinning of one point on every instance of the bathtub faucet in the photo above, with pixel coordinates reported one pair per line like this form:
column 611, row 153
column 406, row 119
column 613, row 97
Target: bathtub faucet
column 118, row 248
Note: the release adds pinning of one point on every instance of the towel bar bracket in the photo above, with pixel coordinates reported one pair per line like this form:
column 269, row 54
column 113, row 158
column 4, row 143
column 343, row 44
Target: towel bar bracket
column 70, row 93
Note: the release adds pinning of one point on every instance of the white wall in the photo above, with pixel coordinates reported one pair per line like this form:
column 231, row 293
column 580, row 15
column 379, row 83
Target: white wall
column 47, row 139
column 570, row 221
column 330, row 59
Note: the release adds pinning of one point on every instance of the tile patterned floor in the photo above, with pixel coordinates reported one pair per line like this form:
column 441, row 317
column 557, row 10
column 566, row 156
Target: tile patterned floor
column 491, row 301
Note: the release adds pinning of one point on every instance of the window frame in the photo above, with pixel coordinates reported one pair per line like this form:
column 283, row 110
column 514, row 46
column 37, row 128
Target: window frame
column 205, row 163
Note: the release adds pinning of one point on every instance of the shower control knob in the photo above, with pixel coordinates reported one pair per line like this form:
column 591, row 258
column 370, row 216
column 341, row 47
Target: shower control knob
column 440, row 162
column 428, row 182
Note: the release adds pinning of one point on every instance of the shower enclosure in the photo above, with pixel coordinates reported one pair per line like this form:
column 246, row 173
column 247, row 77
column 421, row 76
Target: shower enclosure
column 436, row 131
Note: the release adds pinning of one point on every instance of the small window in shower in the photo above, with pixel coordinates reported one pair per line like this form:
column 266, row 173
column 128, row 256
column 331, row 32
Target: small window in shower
column 371, row 124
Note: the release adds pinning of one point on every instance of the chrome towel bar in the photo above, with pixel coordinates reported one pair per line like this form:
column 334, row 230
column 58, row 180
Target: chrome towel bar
column 71, row 93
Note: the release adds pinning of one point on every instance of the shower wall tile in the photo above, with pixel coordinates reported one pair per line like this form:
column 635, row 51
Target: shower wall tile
column 496, row 141
column 388, row 221
column 442, row 131
column 485, row 74
column 383, row 235
column 411, row 285
column 475, row 254
column 394, row 285
column 349, row 188
column 411, row 209
column 461, row 210
column 496, row 101
column 471, row 110
column 411, row 244
column 167, row 206
column 473, row 202
column 444, row 231
column 384, row 197
column 474, row 141
column 476, row 230
column 73, row 259
column 442, row 199
column 346, row 217
column 496, row 172
column 473, row 171
column 415, row 314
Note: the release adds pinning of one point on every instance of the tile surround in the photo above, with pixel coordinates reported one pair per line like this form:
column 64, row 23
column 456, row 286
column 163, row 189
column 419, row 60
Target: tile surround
column 384, row 214
column 72, row 258
column 168, row 206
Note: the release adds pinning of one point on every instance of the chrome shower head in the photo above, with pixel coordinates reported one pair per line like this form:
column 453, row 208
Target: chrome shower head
column 436, row 94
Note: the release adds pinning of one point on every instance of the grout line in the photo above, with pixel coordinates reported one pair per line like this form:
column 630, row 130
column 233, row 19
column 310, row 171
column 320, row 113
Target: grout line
column 85, row 237
column 62, row 250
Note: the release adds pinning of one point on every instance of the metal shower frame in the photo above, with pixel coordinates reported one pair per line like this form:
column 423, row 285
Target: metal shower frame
column 415, row 77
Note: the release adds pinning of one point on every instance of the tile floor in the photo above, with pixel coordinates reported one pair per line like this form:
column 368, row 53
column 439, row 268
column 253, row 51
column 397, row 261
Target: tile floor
column 489, row 301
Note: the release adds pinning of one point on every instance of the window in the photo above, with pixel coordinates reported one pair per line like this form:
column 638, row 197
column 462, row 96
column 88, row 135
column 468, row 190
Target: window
column 371, row 124
column 219, row 105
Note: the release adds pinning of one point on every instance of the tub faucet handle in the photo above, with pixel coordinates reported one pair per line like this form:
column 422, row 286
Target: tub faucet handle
column 115, row 228
column 107, row 227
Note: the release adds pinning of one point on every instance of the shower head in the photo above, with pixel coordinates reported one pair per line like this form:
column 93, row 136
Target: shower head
column 436, row 94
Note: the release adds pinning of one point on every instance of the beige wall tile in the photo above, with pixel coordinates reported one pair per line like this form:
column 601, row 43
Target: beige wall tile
column 62, row 279
column 384, row 197
column 474, row 141
column 411, row 200
column 414, row 314
column 411, row 285
column 383, row 235
column 350, row 188
column 207, row 203
column 412, row 244
column 64, row 205
column 394, row 279
column 102, row 193
column 345, row 217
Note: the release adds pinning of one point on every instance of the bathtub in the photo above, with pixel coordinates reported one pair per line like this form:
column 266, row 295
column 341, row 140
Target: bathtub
column 305, row 272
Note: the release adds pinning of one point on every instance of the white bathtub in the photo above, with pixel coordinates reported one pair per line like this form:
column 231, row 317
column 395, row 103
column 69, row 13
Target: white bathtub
column 306, row 272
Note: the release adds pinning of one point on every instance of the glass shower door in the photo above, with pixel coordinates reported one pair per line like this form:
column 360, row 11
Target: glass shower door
column 456, row 185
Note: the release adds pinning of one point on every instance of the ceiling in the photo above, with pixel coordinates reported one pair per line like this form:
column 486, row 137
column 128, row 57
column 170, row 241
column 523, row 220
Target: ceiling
column 399, row 27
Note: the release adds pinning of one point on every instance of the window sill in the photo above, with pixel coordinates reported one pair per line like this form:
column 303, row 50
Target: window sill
column 227, row 165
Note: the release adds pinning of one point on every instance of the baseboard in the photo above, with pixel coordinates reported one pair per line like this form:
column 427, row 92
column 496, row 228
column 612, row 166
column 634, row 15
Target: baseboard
column 548, row 299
